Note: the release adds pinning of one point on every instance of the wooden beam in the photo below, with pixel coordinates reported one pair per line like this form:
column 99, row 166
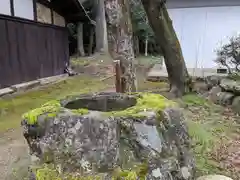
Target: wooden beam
column 12, row 7
column 35, row 10
column 52, row 18
column 44, row 2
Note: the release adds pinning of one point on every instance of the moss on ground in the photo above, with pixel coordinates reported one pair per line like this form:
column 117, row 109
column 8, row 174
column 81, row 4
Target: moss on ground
column 207, row 124
column 12, row 108
column 194, row 100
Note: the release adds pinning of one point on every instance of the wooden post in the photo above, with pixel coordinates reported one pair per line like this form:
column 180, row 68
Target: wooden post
column 118, row 76
column 123, row 79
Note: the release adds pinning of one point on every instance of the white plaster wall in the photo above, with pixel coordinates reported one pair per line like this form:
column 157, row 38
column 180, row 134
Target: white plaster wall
column 24, row 9
column 58, row 19
column 43, row 14
column 202, row 30
column 201, row 3
column 5, row 7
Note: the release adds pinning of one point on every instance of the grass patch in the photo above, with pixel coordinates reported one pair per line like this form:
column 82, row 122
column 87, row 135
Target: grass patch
column 11, row 109
column 79, row 62
column 148, row 60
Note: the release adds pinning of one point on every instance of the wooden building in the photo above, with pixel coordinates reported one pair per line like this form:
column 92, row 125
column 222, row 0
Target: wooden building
column 34, row 38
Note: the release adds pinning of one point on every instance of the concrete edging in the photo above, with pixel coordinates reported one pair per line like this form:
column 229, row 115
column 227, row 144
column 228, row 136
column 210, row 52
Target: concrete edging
column 32, row 84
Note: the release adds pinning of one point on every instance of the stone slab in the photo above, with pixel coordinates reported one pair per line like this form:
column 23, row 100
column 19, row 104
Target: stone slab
column 6, row 91
column 25, row 86
column 214, row 177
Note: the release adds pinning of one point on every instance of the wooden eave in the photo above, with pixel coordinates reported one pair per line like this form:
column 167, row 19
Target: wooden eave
column 71, row 10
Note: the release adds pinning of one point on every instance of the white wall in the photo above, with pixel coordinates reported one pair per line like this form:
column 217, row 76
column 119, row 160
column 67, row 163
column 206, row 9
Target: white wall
column 5, row 7
column 202, row 30
column 201, row 3
column 24, row 9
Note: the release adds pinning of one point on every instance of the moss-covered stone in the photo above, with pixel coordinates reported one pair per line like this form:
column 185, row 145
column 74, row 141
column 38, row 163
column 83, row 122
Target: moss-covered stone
column 145, row 102
column 137, row 172
column 80, row 111
column 50, row 109
column 49, row 172
column 95, row 144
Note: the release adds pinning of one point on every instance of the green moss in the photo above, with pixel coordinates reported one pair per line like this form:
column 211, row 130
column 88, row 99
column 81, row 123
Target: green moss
column 50, row 109
column 80, row 111
column 145, row 102
column 49, row 172
column 138, row 171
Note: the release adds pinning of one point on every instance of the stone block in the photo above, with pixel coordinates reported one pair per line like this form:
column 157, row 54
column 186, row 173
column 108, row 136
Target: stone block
column 214, row 177
column 230, row 85
column 236, row 104
column 25, row 86
column 6, row 91
column 225, row 98
column 213, row 94
column 53, row 79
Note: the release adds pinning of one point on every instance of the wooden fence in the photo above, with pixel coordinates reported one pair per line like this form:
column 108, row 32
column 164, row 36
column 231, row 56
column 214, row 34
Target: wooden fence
column 30, row 50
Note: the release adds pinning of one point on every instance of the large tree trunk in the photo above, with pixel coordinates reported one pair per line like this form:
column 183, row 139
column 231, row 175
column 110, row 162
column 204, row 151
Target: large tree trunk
column 101, row 28
column 91, row 37
column 136, row 45
column 80, row 39
column 159, row 20
column 120, row 39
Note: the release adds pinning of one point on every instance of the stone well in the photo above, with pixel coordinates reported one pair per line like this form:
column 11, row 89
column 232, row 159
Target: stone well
column 108, row 135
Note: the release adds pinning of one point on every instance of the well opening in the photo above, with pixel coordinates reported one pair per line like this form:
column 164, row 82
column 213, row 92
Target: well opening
column 104, row 103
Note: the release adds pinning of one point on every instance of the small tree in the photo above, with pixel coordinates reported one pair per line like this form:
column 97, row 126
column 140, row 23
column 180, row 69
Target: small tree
column 229, row 54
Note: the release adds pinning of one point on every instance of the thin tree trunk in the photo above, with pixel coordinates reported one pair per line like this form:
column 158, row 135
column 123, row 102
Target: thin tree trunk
column 120, row 37
column 91, row 37
column 80, row 39
column 159, row 20
column 101, row 28
column 146, row 46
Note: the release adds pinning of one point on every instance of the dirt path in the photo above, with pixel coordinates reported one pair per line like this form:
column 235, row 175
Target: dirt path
column 13, row 154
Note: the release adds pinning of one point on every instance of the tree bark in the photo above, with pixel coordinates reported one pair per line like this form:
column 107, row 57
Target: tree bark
column 159, row 20
column 91, row 37
column 101, row 28
column 120, row 37
column 80, row 39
